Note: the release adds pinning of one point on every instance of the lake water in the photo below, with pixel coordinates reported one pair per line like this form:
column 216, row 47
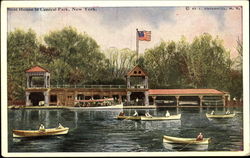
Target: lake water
column 98, row 131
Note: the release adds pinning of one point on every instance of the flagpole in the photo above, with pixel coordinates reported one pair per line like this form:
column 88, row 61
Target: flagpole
column 137, row 45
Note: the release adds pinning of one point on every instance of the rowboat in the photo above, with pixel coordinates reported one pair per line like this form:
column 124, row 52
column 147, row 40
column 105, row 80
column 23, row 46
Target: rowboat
column 220, row 116
column 133, row 118
column 40, row 133
column 172, row 117
column 121, row 117
column 129, row 117
column 185, row 147
column 177, row 140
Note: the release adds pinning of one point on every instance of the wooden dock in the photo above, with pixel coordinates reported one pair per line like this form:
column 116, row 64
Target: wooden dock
column 119, row 106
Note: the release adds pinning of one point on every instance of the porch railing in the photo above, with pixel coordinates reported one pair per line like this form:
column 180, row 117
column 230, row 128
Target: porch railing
column 89, row 86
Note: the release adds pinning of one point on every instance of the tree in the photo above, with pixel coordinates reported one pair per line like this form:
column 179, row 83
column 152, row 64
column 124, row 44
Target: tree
column 238, row 60
column 79, row 59
column 161, row 62
column 236, row 74
column 208, row 62
column 204, row 63
column 181, row 61
column 75, row 58
column 236, row 84
column 119, row 63
column 22, row 53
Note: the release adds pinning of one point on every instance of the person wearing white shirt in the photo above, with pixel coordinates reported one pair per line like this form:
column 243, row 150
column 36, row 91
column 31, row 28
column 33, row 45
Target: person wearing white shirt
column 135, row 114
column 167, row 114
column 147, row 114
column 41, row 128
column 228, row 112
column 212, row 113
column 60, row 126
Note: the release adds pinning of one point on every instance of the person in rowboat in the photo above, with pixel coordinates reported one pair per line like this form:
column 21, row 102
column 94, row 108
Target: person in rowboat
column 121, row 113
column 228, row 112
column 147, row 114
column 60, row 126
column 212, row 113
column 167, row 114
column 135, row 114
column 199, row 137
column 41, row 128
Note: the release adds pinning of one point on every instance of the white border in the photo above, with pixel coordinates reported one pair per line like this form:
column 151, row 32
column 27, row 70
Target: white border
column 4, row 137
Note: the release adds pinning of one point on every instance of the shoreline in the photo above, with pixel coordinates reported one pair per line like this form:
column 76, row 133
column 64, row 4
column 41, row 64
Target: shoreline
column 112, row 107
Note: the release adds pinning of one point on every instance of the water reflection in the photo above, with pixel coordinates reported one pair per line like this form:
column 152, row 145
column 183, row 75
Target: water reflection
column 76, row 118
column 98, row 131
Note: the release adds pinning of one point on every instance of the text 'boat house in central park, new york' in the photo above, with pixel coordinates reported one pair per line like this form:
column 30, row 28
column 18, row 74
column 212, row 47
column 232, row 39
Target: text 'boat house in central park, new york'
column 135, row 92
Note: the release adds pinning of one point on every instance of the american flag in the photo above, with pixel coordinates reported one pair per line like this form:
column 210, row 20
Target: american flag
column 144, row 35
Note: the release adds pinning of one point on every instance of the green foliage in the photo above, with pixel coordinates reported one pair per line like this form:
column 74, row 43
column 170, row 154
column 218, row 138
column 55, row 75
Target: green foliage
column 236, row 78
column 236, row 84
column 75, row 58
column 209, row 62
column 165, row 65
column 119, row 63
column 238, row 61
column 204, row 63
column 22, row 53
column 156, row 62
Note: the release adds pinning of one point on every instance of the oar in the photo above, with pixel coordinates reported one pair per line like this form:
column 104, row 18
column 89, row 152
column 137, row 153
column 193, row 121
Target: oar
column 185, row 146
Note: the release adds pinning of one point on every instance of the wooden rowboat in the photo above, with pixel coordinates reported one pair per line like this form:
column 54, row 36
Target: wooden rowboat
column 133, row 118
column 129, row 117
column 121, row 117
column 177, row 140
column 172, row 117
column 39, row 133
column 220, row 116
column 185, row 147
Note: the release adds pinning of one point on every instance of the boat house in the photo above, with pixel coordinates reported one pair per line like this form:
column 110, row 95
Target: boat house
column 39, row 91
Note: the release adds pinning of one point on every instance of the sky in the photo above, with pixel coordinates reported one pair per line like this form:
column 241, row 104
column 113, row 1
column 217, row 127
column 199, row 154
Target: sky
column 116, row 26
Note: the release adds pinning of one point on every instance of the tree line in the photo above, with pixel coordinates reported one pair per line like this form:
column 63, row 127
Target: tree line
column 76, row 58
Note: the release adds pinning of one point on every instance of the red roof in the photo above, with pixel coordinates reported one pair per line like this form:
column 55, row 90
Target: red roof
column 37, row 69
column 183, row 91
column 137, row 71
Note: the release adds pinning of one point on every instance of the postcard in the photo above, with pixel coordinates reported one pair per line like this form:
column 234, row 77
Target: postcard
column 124, row 78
